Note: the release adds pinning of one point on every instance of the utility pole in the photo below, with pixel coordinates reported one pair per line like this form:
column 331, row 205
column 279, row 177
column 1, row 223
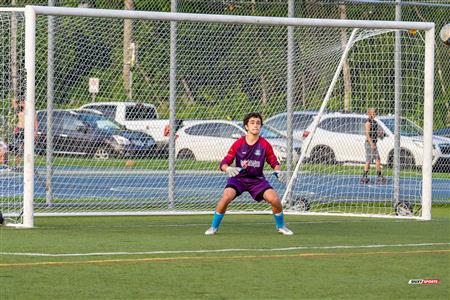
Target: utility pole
column 128, row 51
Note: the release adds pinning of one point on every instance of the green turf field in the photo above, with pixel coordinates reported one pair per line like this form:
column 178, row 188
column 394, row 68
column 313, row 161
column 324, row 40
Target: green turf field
column 168, row 257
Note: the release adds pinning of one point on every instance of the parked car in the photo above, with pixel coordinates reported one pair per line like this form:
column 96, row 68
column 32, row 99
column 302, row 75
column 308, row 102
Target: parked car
column 135, row 116
column 443, row 132
column 211, row 140
column 340, row 138
column 301, row 120
column 88, row 133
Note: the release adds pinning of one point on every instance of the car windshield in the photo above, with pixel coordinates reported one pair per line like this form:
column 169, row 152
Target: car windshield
column 269, row 134
column 266, row 132
column 100, row 122
column 407, row 128
column 300, row 121
column 140, row 112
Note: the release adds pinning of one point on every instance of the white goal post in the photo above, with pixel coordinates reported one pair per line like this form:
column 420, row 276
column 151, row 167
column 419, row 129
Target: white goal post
column 188, row 200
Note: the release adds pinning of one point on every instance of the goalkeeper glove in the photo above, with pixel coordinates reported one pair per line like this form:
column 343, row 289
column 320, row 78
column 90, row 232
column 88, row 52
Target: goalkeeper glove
column 280, row 176
column 233, row 171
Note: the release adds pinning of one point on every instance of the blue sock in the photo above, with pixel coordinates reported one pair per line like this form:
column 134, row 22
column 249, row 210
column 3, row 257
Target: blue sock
column 279, row 219
column 217, row 219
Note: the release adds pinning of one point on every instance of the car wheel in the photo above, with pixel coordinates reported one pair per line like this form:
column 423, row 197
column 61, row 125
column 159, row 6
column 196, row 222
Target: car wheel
column 323, row 155
column 442, row 168
column 301, row 204
column 406, row 159
column 102, row 152
column 186, row 154
column 390, row 162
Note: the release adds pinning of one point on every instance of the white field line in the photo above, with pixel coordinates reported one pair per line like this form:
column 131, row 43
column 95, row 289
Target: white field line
column 220, row 250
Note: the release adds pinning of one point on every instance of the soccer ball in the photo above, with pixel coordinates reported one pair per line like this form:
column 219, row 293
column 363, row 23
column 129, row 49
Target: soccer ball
column 445, row 34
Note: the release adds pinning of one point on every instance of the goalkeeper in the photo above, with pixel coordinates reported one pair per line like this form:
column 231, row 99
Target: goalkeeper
column 250, row 152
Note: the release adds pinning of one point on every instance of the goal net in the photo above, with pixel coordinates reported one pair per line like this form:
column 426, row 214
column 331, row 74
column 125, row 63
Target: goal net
column 104, row 95
column 340, row 171
column 12, row 74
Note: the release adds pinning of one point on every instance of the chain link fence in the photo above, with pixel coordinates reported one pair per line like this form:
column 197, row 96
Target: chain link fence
column 222, row 72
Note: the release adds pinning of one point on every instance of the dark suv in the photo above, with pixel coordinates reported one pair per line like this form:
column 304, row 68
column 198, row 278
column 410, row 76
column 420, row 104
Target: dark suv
column 89, row 133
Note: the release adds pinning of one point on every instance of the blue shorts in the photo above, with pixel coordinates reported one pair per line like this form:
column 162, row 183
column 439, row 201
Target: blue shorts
column 255, row 186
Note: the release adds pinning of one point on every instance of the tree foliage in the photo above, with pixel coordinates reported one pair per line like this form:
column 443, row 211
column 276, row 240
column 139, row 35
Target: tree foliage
column 222, row 69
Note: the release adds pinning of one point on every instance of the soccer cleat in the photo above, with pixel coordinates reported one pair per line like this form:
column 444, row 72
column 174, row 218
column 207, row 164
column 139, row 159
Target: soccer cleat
column 284, row 231
column 211, row 231
column 381, row 180
column 365, row 180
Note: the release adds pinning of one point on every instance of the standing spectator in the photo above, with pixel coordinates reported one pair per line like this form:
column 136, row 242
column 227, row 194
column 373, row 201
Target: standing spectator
column 371, row 131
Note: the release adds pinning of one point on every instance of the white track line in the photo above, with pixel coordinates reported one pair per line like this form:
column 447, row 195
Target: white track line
column 219, row 250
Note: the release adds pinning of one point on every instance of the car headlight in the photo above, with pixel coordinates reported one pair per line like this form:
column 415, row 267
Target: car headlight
column 121, row 140
column 280, row 148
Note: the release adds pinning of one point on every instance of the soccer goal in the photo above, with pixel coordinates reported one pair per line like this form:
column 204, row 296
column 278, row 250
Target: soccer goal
column 202, row 74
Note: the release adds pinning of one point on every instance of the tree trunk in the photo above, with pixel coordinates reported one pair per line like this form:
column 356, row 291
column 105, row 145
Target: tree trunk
column 264, row 94
column 188, row 91
column 127, row 50
column 346, row 67
column 261, row 59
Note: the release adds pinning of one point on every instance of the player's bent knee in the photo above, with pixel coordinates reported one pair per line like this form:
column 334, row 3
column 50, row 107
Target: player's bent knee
column 272, row 197
column 228, row 195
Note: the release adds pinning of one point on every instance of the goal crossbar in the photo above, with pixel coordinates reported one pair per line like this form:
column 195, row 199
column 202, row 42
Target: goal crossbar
column 207, row 18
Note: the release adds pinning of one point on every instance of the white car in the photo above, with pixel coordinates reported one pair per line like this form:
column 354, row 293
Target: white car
column 301, row 120
column 135, row 116
column 340, row 138
column 210, row 140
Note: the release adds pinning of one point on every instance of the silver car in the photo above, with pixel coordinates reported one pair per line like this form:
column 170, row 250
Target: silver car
column 210, row 140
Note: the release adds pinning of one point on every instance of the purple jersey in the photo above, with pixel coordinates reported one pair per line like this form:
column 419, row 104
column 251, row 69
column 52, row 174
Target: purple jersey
column 251, row 157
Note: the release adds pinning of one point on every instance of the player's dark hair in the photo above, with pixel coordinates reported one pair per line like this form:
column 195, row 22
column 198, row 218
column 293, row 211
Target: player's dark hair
column 252, row 115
